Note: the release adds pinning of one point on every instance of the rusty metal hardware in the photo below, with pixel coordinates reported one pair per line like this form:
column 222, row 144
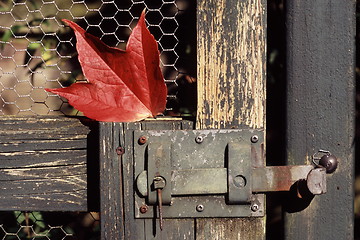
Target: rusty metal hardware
column 325, row 159
column 329, row 162
column 226, row 173
column 264, row 179
column 142, row 140
column 143, row 208
column 159, row 184
column 316, row 181
column 120, row 150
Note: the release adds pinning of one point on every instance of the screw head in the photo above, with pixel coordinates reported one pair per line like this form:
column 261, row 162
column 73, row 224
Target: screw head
column 199, row 139
column 200, row 208
column 143, row 209
column 255, row 139
column 142, row 140
column 254, row 207
column 120, row 150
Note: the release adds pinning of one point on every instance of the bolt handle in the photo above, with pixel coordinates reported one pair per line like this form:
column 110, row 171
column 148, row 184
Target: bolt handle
column 159, row 184
column 329, row 162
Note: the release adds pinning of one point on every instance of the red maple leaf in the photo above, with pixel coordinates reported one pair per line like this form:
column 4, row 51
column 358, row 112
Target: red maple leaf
column 123, row 86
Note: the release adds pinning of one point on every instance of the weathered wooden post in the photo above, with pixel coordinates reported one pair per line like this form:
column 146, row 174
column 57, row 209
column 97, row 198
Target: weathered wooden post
column 231, row 87
column 320, row 113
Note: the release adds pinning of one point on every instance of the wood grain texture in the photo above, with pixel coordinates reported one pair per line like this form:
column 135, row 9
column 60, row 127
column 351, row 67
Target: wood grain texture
column 321, row 111
column 231, row 86
column 111, row 198
column 43, row 164
column 117, row 186
column 231, row 63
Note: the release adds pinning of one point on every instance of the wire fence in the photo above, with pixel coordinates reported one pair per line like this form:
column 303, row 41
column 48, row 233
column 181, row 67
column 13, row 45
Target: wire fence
column 37, row 51
column 49, row 226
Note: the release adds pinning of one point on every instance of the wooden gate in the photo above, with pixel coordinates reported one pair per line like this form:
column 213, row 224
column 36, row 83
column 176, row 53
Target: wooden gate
column 63, row 174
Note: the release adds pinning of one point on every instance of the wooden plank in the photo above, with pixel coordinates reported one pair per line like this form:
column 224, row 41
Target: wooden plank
column 41, row 157
column 134, row 228
column 321, row 112
column 174, row 229
column 231, row 86
column 43, row 164
column 111, row 199
column 117, row 186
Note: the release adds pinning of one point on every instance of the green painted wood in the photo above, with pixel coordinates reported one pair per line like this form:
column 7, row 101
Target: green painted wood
column 43, row 164
column 117, row 186
column 320, row 112
column 134, row 228
column 111, row 199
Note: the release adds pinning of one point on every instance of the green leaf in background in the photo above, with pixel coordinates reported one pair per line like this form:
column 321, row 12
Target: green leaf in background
column 5, row 5
column 38, row 219
column 34, row 4
column 20, row 217
column 31, row 49
column 5, row 38
column 8, row 34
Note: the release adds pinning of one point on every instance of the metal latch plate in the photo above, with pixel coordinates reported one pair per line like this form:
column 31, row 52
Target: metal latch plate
column 196, row 158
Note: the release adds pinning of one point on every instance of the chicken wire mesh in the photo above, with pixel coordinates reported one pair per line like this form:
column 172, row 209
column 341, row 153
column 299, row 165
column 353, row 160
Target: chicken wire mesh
column 45, row 226
column 37, row 50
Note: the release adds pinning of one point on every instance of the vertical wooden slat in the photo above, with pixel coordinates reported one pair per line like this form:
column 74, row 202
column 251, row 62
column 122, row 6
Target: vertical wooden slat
column 133, row 228
column 231, row 86
column 111, row 200
column 116, row 183
column 320, row 112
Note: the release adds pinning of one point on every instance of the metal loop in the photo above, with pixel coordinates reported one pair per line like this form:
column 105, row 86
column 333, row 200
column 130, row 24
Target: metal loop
column 316, row 158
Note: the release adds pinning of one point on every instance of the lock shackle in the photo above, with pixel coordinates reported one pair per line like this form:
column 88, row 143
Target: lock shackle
column 327, row 161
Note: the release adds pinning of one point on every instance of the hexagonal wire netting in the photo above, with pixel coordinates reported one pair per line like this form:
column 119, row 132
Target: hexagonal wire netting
column 49, row 226
column 37, row 51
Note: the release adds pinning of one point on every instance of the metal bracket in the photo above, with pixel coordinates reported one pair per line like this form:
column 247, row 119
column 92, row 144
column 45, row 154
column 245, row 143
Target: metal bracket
column 210, row 173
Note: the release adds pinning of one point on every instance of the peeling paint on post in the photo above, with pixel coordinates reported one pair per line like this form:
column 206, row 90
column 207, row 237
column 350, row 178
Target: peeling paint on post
column 231, row 63
column 231, row 86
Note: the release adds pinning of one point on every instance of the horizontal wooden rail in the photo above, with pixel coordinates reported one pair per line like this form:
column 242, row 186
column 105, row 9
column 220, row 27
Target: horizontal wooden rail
column 43, row 163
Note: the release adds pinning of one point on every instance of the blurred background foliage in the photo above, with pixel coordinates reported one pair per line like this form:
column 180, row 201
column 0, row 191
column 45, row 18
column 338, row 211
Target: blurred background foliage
column 37, row 47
